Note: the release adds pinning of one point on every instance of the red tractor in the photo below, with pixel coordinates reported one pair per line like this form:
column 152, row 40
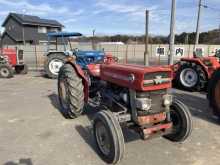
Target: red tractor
column 12, row 60
column 194, row 73
column 132, row 96
column 214, row 92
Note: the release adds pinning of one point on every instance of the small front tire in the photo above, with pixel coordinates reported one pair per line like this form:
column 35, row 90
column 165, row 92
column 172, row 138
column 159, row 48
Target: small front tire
column 182, row 122
column 214, row 93
column 108, row 137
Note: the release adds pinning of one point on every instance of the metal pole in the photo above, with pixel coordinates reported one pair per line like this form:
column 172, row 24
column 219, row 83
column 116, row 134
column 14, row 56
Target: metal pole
column 93, row 36
column 198, row 25
column 172, row 32
column 146, row 56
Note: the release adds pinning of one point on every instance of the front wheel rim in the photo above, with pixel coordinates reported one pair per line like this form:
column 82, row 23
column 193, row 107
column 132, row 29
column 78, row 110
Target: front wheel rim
column 102, row 137
column 55, row 65
column 189, row 77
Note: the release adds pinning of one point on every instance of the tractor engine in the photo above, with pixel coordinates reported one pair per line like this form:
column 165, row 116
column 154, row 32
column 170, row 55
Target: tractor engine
column 136, row 93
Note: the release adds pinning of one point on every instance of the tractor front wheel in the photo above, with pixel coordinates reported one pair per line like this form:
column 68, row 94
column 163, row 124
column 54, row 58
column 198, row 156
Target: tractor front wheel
column 6, row 71
column 214, row 92
column 108, row 137
column 53, row 64
column 71, row 92
column 182, row 122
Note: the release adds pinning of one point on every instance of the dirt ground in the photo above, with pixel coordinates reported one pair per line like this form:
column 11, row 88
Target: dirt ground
column 34, row 132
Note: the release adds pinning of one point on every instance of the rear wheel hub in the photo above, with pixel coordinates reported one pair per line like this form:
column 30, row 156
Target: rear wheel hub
column 55, row 65
column 102, row 137
column 4, row 72
column 188, row 77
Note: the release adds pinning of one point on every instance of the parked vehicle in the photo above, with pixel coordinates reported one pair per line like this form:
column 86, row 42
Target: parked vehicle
column 194, row 73
column 214, row 92
column 129, row 96
column 55, row 57
column 12, row 60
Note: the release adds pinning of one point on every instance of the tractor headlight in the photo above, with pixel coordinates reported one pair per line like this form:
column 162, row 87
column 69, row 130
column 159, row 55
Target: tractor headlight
column 167, row 100
column 143, row 103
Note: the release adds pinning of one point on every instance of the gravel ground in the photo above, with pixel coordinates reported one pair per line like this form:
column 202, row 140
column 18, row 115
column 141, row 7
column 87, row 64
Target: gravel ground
column 34, row 132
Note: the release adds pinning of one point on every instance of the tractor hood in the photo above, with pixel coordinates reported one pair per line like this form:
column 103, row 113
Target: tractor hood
column 90, row 53
column 140, row 78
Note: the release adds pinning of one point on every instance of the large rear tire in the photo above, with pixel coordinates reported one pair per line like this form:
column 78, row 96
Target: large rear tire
column 214, row 92
column 6, row 71
column 108, row 136
column 71, row 92
column 53, row 64
column 182, row 122
column 191, row 77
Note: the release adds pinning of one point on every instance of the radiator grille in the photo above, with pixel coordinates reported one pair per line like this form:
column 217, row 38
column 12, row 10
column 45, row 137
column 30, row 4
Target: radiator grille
column 151, row 76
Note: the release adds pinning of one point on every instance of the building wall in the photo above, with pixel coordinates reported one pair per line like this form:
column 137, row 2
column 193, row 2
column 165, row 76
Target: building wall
column 7, row 40
column 14, row 28
column 31, row 33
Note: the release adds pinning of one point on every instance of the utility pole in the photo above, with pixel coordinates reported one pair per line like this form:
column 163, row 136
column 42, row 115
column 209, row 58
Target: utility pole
column 172, row 32
column 93, row 39
column 146, row 55
column 198, row 24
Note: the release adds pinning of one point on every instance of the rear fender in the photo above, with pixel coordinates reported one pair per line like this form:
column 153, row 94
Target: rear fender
column 80, row 72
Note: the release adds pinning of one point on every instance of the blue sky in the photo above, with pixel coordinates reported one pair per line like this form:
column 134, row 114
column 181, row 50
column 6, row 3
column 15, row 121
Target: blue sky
column 116, row 16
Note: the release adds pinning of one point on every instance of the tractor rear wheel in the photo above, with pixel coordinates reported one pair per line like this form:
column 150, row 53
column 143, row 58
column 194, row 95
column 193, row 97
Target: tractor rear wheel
column 21, row 69
column 182, row 122
column 53, row 64
column 191, row 77
column 214, row 92
column 6, row 71
column 71, row 92
column 108, row 136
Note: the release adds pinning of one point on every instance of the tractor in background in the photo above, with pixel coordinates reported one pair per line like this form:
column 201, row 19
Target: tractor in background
column 55, row 57
column 131, row 96
column 194, row 73
column 12, row 60
column 213, row 94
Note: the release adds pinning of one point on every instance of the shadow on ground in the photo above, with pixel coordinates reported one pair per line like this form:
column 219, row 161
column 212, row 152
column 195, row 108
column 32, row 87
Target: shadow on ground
column 89, row 110
column 21, row 162
column 198, row 106
column 54, row 99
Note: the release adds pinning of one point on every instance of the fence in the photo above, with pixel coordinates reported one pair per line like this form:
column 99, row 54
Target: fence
column 132, row 53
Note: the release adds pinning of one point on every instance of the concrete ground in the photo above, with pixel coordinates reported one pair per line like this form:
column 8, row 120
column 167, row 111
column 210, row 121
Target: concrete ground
column 34, row 132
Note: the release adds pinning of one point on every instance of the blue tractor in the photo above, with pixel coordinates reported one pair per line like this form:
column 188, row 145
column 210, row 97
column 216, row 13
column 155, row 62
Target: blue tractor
column 56, row 57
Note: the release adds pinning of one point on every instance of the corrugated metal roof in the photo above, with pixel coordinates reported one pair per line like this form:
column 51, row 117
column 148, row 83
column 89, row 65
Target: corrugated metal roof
column 33, row 20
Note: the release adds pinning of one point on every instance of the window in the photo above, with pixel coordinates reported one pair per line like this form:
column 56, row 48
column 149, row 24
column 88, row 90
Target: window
column 42, row 30
column 54, row 30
